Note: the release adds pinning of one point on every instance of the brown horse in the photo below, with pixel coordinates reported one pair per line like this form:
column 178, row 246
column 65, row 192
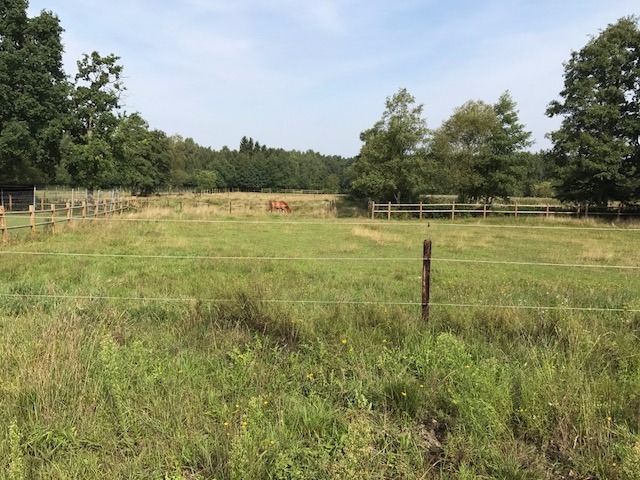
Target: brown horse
column 279, row 205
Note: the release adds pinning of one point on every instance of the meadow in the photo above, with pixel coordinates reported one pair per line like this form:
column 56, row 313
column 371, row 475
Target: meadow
column 202, row 337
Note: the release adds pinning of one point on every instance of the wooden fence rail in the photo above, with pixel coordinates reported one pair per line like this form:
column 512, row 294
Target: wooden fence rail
column 58, row 214
column 450, row 210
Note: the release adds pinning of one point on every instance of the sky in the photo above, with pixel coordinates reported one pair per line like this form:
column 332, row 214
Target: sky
column 314, row 74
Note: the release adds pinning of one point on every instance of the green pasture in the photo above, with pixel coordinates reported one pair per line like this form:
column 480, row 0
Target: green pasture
column 183, row 342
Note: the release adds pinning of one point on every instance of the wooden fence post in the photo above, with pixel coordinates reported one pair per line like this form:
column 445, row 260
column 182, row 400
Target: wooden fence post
column 516, row 210
column 3, row 226
column 389, row 211
column 42, row 201
column 547, row 214
column 420, row 210
column 68, row 212
column 373, row 209
column 32, row 220
column 453, row 210
column 10, row 203
column 484, row 210
column 426, row 279
column 84, row 209
column 53, row 219
column 104, row 206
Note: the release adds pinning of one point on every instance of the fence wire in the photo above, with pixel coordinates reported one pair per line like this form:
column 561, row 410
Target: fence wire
column 313, row 302
column 377, row 223
column 320, row 259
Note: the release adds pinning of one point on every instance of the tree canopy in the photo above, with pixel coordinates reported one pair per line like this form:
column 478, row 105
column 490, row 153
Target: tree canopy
column 33, row 93
column 391, row 164
column 70, row 129
column 597, row 149
column 477, row 153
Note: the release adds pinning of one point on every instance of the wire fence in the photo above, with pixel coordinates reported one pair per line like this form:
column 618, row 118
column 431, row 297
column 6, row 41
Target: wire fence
column 467, row 305
column 393, row 224
column 318, row 259
column 95, row 212
column 315, row 302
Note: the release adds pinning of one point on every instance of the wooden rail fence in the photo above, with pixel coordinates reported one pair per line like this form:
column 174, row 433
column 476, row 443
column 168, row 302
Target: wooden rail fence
column 59, row 213
column 450, row 210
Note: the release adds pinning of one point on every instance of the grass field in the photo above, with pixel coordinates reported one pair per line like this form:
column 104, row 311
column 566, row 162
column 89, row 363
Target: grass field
column 183, row 342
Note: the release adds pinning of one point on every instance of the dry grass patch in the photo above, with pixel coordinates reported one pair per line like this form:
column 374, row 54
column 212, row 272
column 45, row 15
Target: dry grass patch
column 375, row 235
column 597, row 253
column 154, row 212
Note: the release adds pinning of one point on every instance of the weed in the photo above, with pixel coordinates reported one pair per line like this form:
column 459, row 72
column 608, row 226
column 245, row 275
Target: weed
column 16, row 468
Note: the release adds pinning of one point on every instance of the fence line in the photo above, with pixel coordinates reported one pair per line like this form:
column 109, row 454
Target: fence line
column 111, row 207
column 321, row 259
column 314, row 302
column 424, row 210
column 369, row 223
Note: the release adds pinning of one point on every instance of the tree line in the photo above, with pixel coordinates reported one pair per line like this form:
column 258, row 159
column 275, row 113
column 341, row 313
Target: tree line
column 57, row 129
column 72, row 130
column 480, row 152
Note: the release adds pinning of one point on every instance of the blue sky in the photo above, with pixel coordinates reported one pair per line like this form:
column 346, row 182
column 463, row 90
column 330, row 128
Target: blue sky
column 313, row 74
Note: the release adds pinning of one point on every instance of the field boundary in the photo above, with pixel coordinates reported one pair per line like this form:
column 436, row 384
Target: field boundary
column 319, row 259
column 450, row 210
column 59, row 213
column 371, row 223
column 313, row 302
column 109, row 209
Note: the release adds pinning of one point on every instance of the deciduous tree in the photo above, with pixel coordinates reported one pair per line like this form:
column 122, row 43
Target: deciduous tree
column 391, row 163
column 597, row 147
column 96, row 101
column 478, row 152
column 33, row 93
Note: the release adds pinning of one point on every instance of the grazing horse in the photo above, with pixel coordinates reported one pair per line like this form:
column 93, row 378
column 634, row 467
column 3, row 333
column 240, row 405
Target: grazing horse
column 279, row 205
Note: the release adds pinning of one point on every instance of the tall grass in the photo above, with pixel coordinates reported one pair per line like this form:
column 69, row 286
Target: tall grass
column 214, row 368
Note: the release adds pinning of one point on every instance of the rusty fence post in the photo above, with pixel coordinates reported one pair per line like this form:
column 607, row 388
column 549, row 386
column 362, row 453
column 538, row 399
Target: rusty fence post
column 426, row 279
